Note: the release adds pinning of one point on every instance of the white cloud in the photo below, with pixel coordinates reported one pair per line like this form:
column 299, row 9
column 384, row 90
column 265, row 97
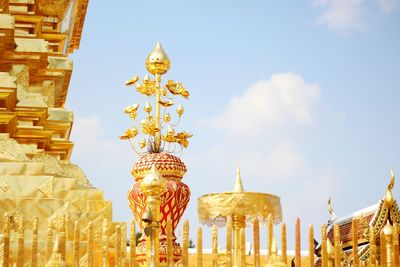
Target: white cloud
column 283, row 99
column 342, row 15
column 388, row 6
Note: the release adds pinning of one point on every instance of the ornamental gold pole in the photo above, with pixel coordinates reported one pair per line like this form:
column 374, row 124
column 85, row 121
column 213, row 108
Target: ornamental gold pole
column 21, row 245
column 372, row 247
column 90, row 245
column 6, row 241
column 170, row 259
column 337, row 246
column 199, row 247
column 214, row 246
column 132, row 244
column 324, row 251
column 185, row 245
column 354, row 229
column 256, row 238
column 34, row 243
column 298, row 245
column 284, row 244
column 49, row 242
column 229, row 241
column 77, row 239
column 118, row 246
column 311, row 244
column 157, row 105
column 62, row 239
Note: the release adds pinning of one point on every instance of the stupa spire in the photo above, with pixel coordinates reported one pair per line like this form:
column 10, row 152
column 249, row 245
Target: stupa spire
column 238, row 183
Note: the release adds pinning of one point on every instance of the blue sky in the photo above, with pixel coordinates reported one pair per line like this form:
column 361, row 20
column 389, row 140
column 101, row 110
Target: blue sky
column 305, row 94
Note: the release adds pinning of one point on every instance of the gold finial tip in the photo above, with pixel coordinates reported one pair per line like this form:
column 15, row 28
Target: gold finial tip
column 158, row 61
column 238, row 183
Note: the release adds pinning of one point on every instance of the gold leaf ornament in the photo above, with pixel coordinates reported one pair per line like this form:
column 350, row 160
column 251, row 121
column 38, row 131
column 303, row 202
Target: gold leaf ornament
column 132, row 110
column 149, row 126
column 182, row 138
column 130, row 133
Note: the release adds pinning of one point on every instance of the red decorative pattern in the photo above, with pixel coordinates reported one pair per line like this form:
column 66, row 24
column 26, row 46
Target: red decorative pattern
column 173, row 201
column 168, row 165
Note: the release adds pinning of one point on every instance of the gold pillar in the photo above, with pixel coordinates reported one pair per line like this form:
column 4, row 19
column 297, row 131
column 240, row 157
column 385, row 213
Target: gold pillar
column 311, row 244
column 104, row 243
column 77, row 239
column 214, row 246
column 229, row 241
column 297, row 245
column 270, row 233
column 49, row 242
column 62, row 239
column 153, row 185
column 238, row 222
column 243, row 247
column 354, row 229
column 256, row 238
column 284, row 244
column 387, row 232
column 324, row 251
column 132, row 244
column 396, row 260
column 34, row 252
column 337, row 246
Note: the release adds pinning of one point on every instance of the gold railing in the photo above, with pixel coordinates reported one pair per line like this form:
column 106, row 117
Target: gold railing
column 94, row 247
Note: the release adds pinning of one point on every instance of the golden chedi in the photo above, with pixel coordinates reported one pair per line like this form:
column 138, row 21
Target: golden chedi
column 42, row 193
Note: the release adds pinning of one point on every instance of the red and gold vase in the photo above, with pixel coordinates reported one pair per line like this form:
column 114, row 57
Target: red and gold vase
column 173, row 201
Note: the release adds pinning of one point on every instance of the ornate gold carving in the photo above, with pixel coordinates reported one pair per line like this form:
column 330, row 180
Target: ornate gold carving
column 10, row 150
column 80, row 202
column 4, row 186
column 47, row 188
column 52, row 7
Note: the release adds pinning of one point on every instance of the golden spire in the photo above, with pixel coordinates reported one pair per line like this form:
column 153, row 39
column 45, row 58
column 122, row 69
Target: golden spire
column 238, row 183
column 158, row 62
column 389, row 196
column 157, row 122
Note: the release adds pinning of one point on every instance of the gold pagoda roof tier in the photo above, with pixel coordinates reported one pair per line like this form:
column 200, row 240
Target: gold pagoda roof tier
column 216, row 207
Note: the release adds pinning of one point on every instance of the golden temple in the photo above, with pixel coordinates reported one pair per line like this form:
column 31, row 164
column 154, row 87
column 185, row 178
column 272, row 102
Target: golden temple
column 51, row 215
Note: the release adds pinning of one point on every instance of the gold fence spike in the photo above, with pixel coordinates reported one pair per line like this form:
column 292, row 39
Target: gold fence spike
column 104, row 243
column 90, row 245
column 337, row 246
column 118, row 246
column 185, row 245
column 324, row 248
column 256, row 240
column 199, row 247
column 49, row 242
column 6, row 241
column 284, row 244
column 372, row 247
column 387, row 233
column 77, row 240
column 354, row 230
column 62, row 238
column 297, row 244
column 21, row 243
column 382, row 247
column 311, row 244
column 229, row 241
column 34, row 251
column 170, row 259
column 132, row 244
column 214, row 246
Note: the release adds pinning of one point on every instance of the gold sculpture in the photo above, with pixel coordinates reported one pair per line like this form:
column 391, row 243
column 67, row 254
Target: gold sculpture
column 157, row 125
